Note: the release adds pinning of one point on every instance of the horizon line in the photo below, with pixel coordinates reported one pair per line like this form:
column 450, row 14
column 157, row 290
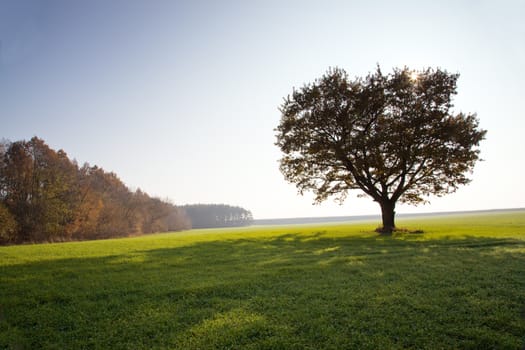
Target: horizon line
column 378, row 215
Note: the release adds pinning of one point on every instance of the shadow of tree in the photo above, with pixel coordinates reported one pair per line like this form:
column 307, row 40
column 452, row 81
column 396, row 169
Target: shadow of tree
column 290, row 291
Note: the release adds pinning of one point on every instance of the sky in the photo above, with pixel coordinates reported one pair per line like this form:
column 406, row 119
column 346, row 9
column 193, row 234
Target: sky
column 181, row 98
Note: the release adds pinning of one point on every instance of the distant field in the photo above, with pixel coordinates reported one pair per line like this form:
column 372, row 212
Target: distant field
column 461, row 284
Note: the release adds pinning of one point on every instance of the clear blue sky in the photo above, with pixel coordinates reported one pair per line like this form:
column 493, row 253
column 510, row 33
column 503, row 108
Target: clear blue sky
column 180, row 98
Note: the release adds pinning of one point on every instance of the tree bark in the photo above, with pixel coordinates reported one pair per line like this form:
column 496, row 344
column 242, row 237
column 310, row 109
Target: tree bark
column 388, row 216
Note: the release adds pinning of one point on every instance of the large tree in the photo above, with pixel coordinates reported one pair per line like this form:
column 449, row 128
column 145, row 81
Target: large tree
column 392, row 136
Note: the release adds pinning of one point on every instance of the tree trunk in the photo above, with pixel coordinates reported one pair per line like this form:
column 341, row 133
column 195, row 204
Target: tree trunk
column 388, row 216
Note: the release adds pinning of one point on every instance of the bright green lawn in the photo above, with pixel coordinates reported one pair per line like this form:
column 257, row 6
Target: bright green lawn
column 461, row 284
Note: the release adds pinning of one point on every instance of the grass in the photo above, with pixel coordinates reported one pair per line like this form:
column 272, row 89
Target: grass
column 461, row 284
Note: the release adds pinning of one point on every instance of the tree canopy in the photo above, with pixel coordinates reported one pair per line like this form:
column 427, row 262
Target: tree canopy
column 44, row 196
column 392, row 136
column 217, row 215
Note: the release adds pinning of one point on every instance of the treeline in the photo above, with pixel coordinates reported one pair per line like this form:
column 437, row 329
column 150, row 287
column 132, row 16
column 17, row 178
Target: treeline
column 46, row 197
column 217, row 215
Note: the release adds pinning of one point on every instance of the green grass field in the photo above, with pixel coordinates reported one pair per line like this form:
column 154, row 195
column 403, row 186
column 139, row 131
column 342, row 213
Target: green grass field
column 461, row 284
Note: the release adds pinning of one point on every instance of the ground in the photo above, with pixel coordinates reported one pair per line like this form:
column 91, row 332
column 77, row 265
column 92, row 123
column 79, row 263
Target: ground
column 458, row 285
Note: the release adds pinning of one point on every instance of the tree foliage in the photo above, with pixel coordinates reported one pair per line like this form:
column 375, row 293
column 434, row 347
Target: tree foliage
column 8, row 225
column 44, row 196
column 217, row 215
column 392, row 136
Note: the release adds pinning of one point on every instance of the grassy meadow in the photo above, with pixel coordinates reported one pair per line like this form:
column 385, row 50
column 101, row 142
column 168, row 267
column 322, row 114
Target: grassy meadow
column 460, row 284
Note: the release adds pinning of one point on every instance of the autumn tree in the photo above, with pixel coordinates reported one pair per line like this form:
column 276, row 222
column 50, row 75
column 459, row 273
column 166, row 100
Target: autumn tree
column 89, row 203
column 392, row 136
column 8, row 225
column 36, row 188
column 44, row 196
